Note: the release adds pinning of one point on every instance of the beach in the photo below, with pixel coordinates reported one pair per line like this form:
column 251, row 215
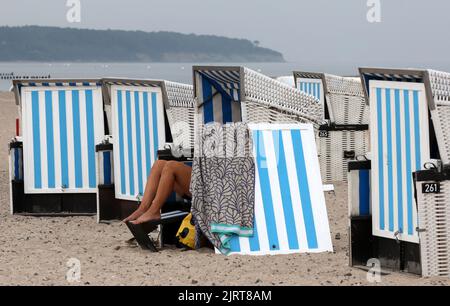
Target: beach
column 35, row 251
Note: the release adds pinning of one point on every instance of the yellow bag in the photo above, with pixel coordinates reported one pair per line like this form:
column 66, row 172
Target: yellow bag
column 186, row 233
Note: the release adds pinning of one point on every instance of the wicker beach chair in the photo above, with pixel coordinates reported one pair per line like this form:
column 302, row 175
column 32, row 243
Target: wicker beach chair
column 232, row 94
column 145, row 116
column 52, row 165
column 409, row 171
column 286, row 174
column 344, row 136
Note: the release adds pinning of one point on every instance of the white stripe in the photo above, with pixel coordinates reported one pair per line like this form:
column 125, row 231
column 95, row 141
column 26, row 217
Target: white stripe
column 295, row 191
column 70, row 145
column 244, row 244
column 99, row 123
column 57, row 139
column 43, row 134
column 270, row 147
column 317, row 196
column 126, row 167
column 374, row 128
column 403, row 177
column 395, row 178
column 83, row 138
column 385, row 167
column 150, row 128
column 142, row 130
column 28, row 143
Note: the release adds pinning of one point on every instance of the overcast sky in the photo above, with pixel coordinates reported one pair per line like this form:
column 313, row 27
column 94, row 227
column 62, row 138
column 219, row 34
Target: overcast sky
column 319, row 34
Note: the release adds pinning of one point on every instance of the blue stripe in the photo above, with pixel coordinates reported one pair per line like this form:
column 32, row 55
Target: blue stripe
column 364, row 193
column 155, row 124
column 288, row 206
column 235, row 246
column 130, row 142
column 123, row 187
column 208, row 111
column 399, row 160
column 390, row 159
column 138, row 142
column 16, row 164
column 302, row 177
column 226, row 109
column 254, row 240
column 63, row 139
column 90, row 138
column 77, row 138
column 417, row 130
column 36, row 140
column 50, row 139
column 107, row 167
column 409, row 182
column 318, row 93
column 266, row 191
column 380, row 156
column 147, row 135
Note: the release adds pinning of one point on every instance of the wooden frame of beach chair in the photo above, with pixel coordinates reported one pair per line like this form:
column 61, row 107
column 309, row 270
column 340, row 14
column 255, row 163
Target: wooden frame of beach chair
column 143, row 117
column 52, row 165
column 232, row 94
column 344, row 134
column 409, row 133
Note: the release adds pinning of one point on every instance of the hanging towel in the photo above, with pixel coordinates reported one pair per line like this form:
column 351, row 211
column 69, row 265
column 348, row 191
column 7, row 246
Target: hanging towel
column 223, row 183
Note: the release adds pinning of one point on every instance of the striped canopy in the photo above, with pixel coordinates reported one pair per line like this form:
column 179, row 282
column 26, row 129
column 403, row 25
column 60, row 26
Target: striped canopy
column 290, row 210
column 218, row 93
column 342, row 98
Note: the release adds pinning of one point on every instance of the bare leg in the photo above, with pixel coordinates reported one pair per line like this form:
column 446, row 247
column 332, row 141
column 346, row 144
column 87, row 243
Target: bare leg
column 176, row 177
column 150, row 190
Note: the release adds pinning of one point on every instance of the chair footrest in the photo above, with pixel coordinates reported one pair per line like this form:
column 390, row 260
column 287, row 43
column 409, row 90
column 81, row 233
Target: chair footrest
column 141, row 231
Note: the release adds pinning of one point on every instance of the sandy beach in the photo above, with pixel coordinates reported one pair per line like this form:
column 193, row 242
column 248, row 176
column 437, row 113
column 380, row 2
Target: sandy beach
column 35, row 251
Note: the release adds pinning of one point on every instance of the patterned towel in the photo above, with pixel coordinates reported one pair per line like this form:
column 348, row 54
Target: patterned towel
column 223, row 183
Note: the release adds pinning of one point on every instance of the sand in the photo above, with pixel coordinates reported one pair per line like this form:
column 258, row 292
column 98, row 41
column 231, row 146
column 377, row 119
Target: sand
column 35, row 251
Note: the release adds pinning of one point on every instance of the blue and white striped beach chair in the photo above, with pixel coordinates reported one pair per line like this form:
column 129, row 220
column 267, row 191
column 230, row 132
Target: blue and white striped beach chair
column 62, row 120
column 409, row 130
column 145, row 116
column 233, row 94
column 290, row 210
column 344, row 134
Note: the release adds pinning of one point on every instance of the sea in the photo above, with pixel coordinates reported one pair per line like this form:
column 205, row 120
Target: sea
column 178, row 72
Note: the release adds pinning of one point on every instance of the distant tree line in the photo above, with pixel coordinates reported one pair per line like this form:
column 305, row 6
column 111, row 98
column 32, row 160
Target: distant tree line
column 33, row 43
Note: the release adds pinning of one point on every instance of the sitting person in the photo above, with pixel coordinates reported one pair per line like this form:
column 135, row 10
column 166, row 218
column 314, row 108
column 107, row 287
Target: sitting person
column 165, row 177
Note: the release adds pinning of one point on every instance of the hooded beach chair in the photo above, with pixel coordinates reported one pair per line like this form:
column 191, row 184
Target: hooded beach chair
column 233, row 94
column 409, row 182
column 290, row 211
column 344, row 135
column 53, row 162
column 144, row 117
column 285, row 221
